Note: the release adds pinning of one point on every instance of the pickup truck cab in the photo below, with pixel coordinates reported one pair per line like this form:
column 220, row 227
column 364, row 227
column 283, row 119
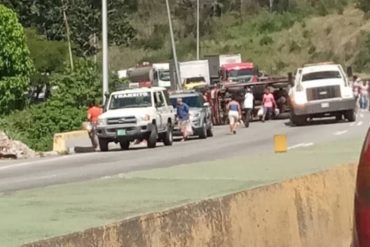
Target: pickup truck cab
column 321, row 90
column 137, row 114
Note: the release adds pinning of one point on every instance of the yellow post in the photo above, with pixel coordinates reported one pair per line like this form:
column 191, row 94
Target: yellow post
column 280, row 142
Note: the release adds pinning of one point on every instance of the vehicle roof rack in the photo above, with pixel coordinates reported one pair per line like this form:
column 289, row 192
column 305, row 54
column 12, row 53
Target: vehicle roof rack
column 322, row 63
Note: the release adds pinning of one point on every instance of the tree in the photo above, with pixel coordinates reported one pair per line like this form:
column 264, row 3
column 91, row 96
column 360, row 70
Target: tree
column 364, row 5
column 84, row 17
column 16, row 64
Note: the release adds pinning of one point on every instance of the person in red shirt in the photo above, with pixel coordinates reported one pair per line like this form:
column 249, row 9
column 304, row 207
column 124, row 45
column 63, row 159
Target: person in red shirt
column 92, row 115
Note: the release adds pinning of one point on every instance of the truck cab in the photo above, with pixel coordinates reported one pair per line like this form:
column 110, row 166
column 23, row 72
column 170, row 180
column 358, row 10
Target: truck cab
column 237, row 73
column 321, row 90
column 137, row 114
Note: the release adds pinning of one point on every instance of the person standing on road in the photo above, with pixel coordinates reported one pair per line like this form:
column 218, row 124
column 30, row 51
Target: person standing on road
column 268, row 104
column 356, row 85
column 234, row 113
column 183, row 118
column 93, row 113
column 248, row 103
column 364, row 95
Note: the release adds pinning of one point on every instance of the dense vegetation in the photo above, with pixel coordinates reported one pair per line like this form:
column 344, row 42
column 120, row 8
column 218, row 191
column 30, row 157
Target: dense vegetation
column 36, row 57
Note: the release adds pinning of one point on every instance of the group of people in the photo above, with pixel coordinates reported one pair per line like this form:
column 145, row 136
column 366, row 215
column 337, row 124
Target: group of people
column 361, row 91
column 234, row 108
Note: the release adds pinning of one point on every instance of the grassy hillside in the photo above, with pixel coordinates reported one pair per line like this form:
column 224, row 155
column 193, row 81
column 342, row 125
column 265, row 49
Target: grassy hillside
column 277, row 42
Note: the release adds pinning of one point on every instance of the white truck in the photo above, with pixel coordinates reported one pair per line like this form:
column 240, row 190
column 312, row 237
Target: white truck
column 157, row 74
column 137, row 114
column 321, row 90
column 215, row 62
column 191, row 70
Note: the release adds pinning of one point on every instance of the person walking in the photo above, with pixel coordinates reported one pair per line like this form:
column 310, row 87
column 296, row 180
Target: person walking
column 364, row 95
column 93, row 113
column 248, row 105
column 183, row 118
column 268, row 104
column 356, row 87
column 234, row 114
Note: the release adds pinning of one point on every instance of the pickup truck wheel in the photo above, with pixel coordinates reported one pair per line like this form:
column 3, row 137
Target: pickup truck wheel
column 203, row 131
column 103, row 144
column 152, row 139
column 168, row 136
column 125, row 145
column 210, row 131
column 298, row 120
column 339, row 117
column 351, row 115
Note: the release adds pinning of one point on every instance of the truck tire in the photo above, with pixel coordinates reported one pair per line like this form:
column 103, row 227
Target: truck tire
column 298, row 120
column 203, row 131
column 351, row 115
column 103, row 144
column 152, row 138
column 168, row 136
column 210, row 131
column 125, row 145
column 339, row 117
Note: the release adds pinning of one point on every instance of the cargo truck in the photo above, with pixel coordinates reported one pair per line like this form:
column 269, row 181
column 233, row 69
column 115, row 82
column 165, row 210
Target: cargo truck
column 192, row 74
column 215, row 62
column 157, row 75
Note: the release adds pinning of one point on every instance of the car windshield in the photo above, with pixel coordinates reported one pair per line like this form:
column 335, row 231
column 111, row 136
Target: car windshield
column 241, row 73
column 321, row 75
column 191, row 101
column 164, row 75
column 130, row 100
column 194, row 80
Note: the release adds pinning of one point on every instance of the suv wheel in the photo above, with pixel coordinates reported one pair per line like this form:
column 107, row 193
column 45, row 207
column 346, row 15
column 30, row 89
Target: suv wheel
column 152, row 139
column 125, row 145
column 210, row 131
column 168, row 136
column 103, row 144
column 203, row 131
column 351, row 115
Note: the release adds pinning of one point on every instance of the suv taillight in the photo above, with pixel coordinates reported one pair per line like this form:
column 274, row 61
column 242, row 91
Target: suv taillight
column 362, row 198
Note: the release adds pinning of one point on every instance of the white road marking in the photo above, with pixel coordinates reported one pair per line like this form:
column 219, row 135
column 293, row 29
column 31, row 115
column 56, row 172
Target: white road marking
column 341, row 132
column 301, row 145
column 360, row 123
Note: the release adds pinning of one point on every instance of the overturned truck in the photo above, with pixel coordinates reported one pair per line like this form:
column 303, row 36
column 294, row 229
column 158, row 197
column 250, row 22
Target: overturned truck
column 219, row 95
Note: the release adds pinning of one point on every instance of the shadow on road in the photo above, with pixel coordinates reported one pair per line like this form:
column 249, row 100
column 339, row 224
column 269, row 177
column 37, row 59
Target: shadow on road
column 314, row 122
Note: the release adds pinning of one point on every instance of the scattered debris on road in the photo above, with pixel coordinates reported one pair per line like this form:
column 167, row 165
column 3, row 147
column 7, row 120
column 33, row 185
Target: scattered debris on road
column 11, row 149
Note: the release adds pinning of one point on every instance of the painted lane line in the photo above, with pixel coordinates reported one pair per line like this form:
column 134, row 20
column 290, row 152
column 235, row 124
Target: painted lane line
column 301, row 145
column 342, row 132
column 360, row 123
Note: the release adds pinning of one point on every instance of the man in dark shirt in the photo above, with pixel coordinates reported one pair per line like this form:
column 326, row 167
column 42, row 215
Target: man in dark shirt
column 183, row 118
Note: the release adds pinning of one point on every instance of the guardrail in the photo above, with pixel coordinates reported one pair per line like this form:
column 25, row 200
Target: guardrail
column 64, row 141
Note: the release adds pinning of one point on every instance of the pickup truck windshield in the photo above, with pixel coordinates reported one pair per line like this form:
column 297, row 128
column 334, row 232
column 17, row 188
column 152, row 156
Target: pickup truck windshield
column 130, row 100
column 191, row 101
column 321, row 75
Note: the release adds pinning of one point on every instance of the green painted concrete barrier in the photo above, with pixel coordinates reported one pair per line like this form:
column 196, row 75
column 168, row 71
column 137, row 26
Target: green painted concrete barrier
column 310, row 211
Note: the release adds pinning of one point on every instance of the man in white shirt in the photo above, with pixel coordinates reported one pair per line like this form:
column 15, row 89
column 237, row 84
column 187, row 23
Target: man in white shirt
column 248, row 104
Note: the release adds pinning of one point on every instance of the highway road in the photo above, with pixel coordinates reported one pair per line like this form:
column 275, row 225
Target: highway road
column 27, row 174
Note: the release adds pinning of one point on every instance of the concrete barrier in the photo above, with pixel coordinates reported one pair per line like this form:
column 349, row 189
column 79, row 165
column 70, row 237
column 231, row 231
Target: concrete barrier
column 310, row 211
column 64, row 141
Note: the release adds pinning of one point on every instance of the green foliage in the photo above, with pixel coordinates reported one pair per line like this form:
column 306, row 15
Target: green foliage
column 266, row 40
column 15, row 62
column 362, row 60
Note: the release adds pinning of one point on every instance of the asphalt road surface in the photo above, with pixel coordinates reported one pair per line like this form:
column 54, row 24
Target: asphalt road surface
column 258, row 138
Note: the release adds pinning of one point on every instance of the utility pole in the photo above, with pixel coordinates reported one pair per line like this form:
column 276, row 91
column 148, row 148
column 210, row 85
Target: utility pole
column 173, row 47
column 68, row 35
column 105, row 50
column 198, row 7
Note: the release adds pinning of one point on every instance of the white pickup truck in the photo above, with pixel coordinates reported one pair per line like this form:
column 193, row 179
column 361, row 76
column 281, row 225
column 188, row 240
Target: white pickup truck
column 321, row 90
column 137, row 114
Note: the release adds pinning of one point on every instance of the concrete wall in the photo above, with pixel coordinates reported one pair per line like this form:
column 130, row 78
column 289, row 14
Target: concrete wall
column 311, row 211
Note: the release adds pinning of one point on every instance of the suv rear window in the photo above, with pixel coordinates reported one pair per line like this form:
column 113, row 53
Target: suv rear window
column 321, row 75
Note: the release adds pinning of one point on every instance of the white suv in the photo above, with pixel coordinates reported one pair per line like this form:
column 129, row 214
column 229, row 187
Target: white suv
column 137, row 114
column 321, row 90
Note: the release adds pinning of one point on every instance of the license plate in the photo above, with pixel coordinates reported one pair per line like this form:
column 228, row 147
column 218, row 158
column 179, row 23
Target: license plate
column 121, row 132
column 325, row 105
